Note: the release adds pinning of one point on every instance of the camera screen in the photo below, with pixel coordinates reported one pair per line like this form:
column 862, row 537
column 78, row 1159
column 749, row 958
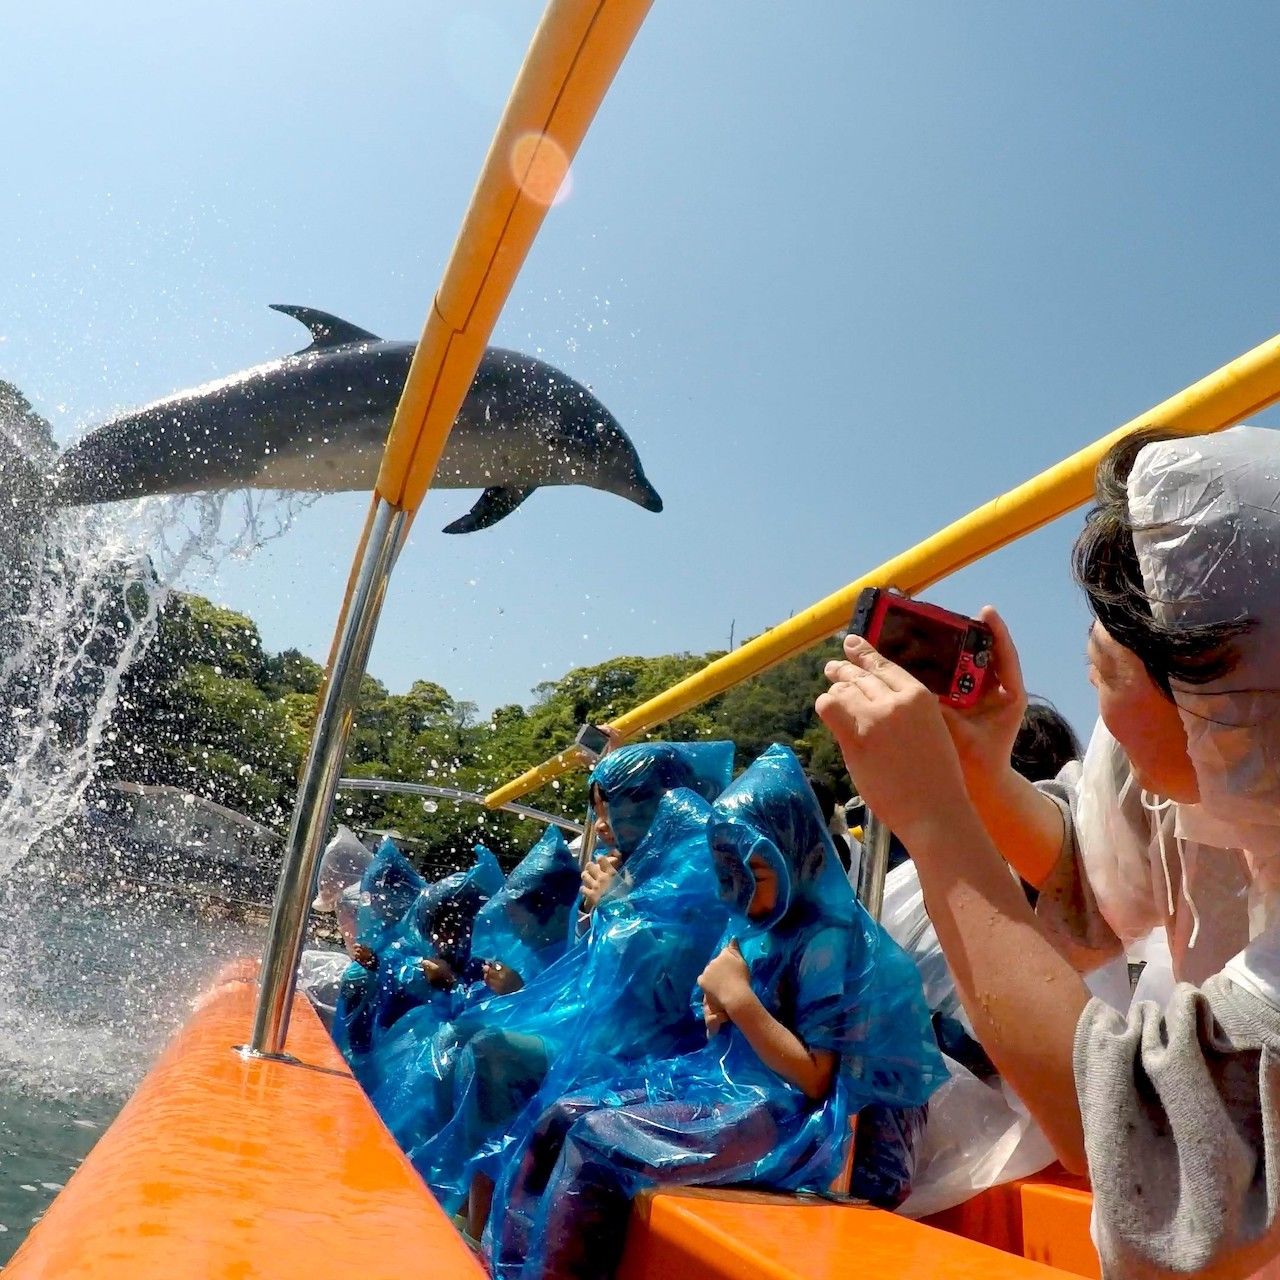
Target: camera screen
column 593, row 739
column 929, row 650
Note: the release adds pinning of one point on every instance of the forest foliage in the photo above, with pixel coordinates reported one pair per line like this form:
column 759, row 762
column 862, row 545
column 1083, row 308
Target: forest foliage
column 209, row 710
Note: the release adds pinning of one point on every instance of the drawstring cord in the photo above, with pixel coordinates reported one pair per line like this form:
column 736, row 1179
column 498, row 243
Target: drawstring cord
column 1155, row 805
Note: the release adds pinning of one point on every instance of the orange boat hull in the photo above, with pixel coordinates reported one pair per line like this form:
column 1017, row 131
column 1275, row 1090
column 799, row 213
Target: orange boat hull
column 228, row 1168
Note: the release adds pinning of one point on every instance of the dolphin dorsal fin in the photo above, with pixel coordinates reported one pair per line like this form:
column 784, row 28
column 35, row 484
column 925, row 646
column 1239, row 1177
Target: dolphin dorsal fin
column 326, row 330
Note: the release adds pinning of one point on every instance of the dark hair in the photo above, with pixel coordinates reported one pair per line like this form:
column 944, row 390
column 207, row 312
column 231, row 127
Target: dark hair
column 1045, row 742
column 1105, row 564
column 825, row 797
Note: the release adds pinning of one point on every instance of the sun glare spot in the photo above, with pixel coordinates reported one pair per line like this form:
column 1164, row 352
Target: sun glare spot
column 541, row 168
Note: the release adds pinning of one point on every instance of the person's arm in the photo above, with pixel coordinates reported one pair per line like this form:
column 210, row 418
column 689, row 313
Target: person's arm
column 1026, row 826
column 1023, row 999
column 726, row 982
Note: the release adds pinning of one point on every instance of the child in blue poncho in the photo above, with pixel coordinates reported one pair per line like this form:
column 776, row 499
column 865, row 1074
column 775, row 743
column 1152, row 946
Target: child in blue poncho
column 388, row 888
column 517, row 934
column 415, row 959
column 430, row 956
column 523, row 929
column 503, row 1049
column 810, row 1011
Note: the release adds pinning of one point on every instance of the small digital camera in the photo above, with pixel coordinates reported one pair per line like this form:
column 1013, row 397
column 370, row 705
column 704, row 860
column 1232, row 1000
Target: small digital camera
column 591, row 741
column 948, row 653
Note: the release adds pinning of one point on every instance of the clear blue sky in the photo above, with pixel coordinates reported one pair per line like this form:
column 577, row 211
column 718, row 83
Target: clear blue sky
column 843, row 271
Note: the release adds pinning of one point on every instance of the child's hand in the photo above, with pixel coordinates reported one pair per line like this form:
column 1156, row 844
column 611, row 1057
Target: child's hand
column 725, row 982
column 438, row 973
column 597, row 876
column 501, row 980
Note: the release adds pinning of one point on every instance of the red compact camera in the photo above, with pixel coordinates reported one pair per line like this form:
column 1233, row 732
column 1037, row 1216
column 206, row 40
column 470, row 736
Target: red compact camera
column 948, row 653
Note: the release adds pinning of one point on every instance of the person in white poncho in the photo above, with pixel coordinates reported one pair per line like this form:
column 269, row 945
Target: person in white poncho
column 1173, row 1110
column 337, row 893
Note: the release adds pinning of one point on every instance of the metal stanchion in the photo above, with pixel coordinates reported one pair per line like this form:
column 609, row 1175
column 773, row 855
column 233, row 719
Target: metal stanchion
column 874, row 865
column 391, row 787
column 385, row 530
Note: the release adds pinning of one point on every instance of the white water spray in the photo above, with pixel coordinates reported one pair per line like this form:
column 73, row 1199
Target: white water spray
column 102, row 575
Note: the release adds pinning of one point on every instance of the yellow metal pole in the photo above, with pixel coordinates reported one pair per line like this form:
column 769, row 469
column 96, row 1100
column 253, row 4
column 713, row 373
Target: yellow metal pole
column 1226, row 396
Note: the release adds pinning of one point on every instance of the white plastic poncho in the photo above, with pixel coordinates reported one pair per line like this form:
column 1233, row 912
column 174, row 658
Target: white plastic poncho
column 1155, row 888
column 344, row 862
column 337, row 893
column 1206, row 515
column 978, row 1134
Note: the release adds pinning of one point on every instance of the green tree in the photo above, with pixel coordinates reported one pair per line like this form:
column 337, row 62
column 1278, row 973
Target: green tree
column 209, row 711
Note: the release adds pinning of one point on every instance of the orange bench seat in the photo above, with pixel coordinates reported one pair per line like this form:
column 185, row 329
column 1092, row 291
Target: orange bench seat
column 732, row 1235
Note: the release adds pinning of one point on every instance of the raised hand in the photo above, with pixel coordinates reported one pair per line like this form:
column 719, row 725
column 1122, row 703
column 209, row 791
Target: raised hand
column 894, row 739
column 597, row 876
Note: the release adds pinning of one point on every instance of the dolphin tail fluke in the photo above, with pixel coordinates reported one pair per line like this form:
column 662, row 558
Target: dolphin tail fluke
column 491, row 506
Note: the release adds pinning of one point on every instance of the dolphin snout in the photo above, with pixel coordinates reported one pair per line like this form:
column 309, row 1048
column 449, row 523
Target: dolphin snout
column 646, row 496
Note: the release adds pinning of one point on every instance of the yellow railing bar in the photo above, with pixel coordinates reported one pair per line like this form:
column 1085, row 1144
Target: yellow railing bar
column 575, row 54
column 1226, row 396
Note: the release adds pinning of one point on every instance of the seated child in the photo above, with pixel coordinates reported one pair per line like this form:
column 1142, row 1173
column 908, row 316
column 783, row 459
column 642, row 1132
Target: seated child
column 518, row 933
column 811, row 1012
column 524, row 928
column 388, row 888
column 430, row 956
column 503, row 1048
column 624, row 791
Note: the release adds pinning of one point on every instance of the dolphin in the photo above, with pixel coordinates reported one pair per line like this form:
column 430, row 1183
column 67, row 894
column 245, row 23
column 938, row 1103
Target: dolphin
column 317, row 420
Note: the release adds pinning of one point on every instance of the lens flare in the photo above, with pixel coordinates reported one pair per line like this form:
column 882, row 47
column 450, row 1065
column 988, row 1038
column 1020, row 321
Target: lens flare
column 541, row 168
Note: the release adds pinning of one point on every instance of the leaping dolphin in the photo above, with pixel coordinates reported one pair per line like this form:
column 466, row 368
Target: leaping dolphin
column 318, row 419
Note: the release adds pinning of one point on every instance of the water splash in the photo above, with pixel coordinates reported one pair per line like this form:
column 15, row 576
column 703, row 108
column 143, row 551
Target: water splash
column 100, row 577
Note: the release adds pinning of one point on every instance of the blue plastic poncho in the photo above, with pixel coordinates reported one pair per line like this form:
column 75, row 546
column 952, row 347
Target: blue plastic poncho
column 523, row 926
column 629, row 979
column 438, row 926
column 820, row 966
column 388, row 888
column 633, row 780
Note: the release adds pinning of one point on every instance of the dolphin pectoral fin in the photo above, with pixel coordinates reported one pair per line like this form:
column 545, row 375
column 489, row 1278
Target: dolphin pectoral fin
column 326, row 330
column 491, row 506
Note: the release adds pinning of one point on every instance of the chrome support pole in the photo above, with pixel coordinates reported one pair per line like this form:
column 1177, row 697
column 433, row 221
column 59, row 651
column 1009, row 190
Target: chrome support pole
column 390, row 787
column 587, row 850
column 871, row 873
column 874, row 865
column 386, row 530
